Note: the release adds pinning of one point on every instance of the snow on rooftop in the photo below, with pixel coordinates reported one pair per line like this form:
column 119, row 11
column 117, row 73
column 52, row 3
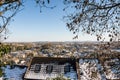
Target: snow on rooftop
column 57, row 71
column 90, row 69
column 117, row 50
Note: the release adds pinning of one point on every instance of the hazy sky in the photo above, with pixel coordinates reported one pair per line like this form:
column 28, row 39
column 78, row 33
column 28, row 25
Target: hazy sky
column 31, row 25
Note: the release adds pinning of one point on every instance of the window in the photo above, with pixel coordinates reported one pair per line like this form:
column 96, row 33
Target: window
column 67, row 68
column 49, row 69
column 37, row 68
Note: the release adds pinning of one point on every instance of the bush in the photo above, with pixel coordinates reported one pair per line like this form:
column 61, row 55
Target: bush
column 1, row 72
column 60, row 78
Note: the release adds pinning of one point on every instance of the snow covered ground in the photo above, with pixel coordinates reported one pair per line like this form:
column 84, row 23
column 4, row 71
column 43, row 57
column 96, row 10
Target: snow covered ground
column 72, row 74
column 112, row 69
column 13, row 74
column 90, row 69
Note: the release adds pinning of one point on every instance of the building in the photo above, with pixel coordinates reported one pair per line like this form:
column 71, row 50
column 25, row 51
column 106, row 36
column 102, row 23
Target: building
column 41, row 68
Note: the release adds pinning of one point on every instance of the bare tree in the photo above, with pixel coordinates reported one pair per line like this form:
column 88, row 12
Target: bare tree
column 8, row 9
column 95, row 17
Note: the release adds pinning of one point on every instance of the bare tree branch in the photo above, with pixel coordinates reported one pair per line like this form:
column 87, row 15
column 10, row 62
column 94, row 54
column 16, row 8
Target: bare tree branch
column 95, row 17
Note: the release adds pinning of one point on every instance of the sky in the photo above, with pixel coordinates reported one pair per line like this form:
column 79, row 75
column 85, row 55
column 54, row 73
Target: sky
column 29, row 25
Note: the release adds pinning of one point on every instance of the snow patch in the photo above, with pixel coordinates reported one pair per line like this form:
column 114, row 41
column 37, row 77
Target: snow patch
column 13, row 74
column 90, row 69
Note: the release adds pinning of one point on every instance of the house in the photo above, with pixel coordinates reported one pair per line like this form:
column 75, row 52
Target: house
column 42, row 68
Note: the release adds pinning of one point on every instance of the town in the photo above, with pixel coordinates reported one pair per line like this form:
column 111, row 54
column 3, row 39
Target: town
column 59, row 39
column 99, row 57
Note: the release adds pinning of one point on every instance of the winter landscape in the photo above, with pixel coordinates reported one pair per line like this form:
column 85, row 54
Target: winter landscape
column 93, row 63
column 59, row 39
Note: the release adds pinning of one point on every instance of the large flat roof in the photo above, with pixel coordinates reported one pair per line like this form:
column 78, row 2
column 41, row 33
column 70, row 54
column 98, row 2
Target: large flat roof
column 58, row 68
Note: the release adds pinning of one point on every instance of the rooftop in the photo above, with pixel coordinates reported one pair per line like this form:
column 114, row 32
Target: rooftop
column 48, row 67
